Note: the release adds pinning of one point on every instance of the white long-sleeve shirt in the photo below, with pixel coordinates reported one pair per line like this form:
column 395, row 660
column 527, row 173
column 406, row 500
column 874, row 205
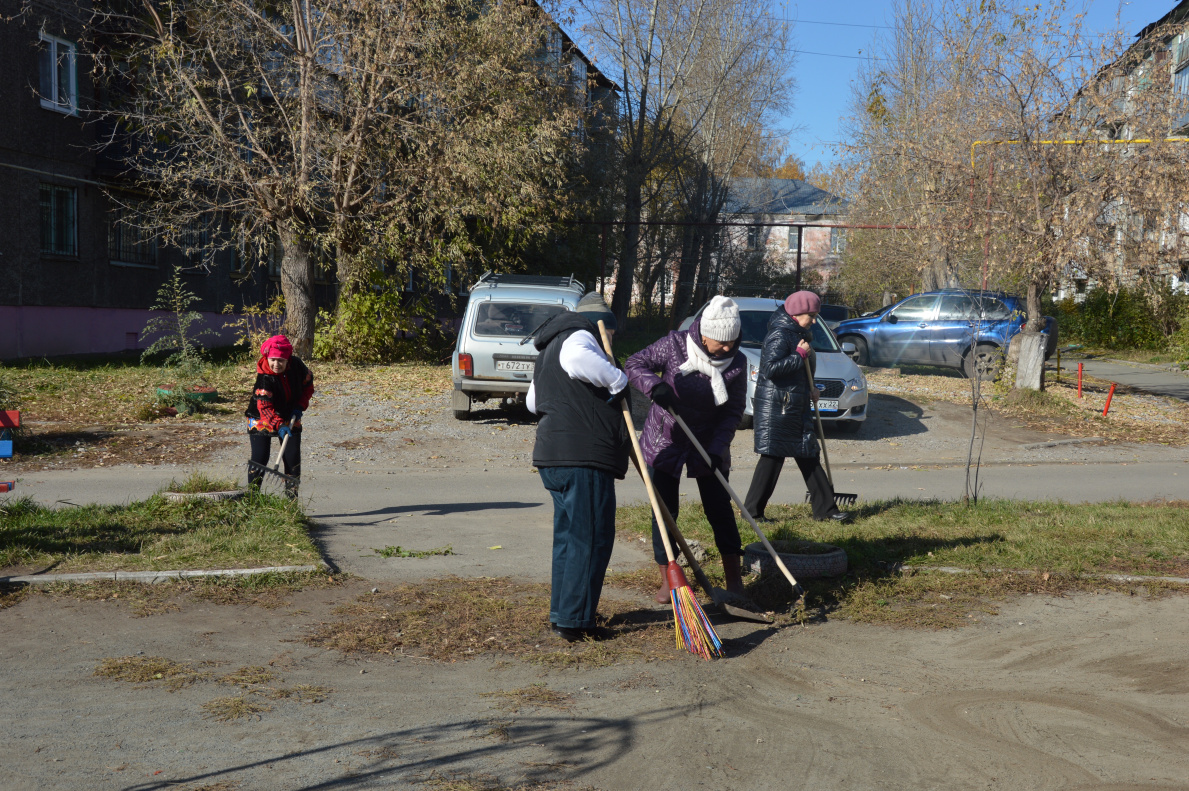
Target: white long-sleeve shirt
column 583, row 359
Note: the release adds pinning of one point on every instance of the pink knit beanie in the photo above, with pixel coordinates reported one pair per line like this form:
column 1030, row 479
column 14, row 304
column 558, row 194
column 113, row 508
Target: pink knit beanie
column 277, row 346
column 802, row 302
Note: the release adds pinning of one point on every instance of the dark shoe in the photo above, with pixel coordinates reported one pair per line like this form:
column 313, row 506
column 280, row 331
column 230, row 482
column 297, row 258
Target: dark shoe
column 842, row 517
column 568, row 634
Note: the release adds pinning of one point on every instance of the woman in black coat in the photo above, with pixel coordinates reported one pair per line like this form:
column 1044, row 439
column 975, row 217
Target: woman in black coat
column 784, row 420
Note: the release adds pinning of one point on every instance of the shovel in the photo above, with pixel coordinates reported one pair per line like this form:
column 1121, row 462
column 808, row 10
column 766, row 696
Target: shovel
column 840, row 498
column 275, row 470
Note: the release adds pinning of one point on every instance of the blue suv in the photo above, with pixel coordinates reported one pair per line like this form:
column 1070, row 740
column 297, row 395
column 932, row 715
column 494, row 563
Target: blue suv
column 954, row 328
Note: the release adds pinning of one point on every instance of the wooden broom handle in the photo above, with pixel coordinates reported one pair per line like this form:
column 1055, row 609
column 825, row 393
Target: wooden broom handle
column 821, row 434
column 742, row 508
column 627, row 416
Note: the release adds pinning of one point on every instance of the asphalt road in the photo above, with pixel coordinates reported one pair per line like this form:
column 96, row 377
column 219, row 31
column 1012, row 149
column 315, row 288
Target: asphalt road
column 1153, row 378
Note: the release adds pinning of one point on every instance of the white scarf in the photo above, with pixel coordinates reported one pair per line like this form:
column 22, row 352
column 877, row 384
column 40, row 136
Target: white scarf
column 700, row 362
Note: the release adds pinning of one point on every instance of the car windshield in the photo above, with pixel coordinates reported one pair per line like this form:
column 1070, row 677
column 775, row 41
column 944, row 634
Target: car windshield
column 512, row 319
column 755, row 327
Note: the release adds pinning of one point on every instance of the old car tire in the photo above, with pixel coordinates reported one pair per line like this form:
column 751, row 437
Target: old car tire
column 861, row 356
column 826, row 560
column 985, row 360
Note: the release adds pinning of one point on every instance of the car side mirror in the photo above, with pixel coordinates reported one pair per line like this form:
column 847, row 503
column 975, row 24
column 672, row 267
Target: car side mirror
column 890, row 318
column 848, row 348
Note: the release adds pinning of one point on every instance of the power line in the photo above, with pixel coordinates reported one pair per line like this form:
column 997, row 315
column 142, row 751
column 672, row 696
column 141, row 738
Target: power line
column 835, row 24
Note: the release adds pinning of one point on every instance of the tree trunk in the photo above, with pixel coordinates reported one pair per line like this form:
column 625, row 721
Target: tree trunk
column 687, row 275
column 1036, row 321
column 621, row 300
column 297, row 284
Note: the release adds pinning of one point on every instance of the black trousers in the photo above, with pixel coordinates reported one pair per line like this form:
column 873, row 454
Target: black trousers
column 261, row 451
column 763, row 483
column 715, row 502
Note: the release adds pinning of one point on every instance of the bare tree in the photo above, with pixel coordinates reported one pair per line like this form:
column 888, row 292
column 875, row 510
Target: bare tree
column 991, row 133
column 383, row 131
column 678, row 63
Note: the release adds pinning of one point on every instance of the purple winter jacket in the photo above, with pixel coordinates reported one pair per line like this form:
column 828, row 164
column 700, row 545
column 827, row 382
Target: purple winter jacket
column 664, row 444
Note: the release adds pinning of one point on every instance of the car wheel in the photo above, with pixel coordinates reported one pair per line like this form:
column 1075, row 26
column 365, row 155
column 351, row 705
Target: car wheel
column 745, row 422
column 984, row 361
column 851, row 426
column 862, row 357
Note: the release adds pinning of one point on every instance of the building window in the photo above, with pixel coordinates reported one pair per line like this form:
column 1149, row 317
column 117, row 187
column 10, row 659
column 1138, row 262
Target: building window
column 57, row 67
column 58, row 235
column 837, row 240
column 794, row 239
column 127, row 243
column 753, row 237
column 196, row 241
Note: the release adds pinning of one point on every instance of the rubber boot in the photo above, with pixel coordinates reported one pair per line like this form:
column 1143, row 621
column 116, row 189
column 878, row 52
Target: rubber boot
column 732, row 573
column 662, row 595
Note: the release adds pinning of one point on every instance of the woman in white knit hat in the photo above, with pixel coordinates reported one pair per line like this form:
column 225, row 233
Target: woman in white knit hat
column 700, row 374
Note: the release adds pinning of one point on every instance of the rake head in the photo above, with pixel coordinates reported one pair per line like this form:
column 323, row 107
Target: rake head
column 840, row 498
column 256, row 468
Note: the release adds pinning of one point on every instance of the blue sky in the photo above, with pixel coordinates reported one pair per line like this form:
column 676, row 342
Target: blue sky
column 824, row 80
column 831, row 39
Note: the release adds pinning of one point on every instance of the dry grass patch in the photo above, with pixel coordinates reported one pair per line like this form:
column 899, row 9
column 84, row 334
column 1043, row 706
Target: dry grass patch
column 248, row 676
column 452, row 618
column 234, row 708
column 538, row 696
column 149, row 669
column 269, row 591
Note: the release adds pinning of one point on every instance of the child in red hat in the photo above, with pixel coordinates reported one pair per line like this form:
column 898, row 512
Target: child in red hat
column 282, row 392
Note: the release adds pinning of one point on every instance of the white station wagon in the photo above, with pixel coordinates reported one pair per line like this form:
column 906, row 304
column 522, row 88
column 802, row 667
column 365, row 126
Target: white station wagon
column 489, row 359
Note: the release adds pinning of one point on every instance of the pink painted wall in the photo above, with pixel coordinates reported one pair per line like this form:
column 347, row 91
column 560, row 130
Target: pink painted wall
column 32, row 331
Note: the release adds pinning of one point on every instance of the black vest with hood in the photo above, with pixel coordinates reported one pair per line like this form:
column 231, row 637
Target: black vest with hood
column 577, row 427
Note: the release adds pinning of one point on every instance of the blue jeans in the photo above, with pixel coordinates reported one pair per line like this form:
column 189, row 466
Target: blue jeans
column 583, row 536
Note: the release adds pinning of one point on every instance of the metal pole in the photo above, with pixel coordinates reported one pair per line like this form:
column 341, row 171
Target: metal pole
column 800, row 228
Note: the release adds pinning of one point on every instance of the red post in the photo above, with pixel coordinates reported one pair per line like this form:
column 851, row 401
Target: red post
column 1109, row 396
column 1079, row 380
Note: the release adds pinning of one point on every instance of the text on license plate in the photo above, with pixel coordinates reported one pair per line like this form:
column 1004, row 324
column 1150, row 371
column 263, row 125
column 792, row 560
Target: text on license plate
column 827, row 404
column 513, row 365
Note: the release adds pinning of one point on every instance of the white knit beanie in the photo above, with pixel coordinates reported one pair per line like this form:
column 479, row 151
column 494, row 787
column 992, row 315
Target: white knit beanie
column 720, row 320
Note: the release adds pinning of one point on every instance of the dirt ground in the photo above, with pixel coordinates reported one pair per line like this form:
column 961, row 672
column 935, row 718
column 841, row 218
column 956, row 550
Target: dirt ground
column 1084, row 692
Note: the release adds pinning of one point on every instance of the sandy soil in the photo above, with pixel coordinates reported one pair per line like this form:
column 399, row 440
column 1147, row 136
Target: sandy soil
column 1080, row 693
column 1087, row 692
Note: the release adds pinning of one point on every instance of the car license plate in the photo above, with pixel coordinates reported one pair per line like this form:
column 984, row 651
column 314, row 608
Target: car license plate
column 513, row 365
column 827, row 404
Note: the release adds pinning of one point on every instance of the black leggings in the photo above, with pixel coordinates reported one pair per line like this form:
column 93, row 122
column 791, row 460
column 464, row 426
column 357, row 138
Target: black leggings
column 763, row 483
column 715, row 502
column 261, row 452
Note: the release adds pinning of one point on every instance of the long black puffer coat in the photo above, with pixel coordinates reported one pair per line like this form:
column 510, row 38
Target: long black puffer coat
column 783, row 418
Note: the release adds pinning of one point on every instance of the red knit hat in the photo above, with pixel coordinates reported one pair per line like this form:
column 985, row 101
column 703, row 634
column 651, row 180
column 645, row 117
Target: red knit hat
column 802, row 302
column 277, row 346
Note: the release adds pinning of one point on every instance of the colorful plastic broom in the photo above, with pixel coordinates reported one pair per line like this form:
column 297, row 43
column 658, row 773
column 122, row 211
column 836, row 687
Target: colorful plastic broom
column 693, row 628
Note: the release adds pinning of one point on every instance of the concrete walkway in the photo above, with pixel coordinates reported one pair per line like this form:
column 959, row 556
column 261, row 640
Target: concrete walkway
column 1152, row 378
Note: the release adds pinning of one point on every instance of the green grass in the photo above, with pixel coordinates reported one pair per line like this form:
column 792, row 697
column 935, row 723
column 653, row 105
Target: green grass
column 398, row 552
column 155, row 534
column 1064, row 545
column 198, row 483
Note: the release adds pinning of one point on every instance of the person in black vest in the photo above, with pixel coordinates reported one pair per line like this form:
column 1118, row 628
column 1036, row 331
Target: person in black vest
column 281, row 393
column 581, row 449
